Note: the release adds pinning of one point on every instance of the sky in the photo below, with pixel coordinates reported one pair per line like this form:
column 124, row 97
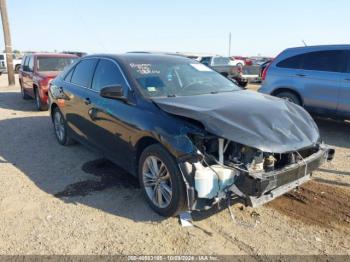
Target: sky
column 113, row 26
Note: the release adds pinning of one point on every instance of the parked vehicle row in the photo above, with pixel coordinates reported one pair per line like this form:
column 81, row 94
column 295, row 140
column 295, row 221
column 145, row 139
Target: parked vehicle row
column 191, row 136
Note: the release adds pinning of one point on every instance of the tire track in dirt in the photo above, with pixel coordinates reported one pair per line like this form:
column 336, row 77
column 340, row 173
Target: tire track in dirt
column 317, row 204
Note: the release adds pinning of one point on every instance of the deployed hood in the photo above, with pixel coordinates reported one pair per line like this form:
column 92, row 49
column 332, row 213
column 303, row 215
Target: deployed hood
column 250, row 118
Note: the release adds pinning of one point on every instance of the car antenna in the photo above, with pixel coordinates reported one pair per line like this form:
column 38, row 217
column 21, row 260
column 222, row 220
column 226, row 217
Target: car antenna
column 304, row 42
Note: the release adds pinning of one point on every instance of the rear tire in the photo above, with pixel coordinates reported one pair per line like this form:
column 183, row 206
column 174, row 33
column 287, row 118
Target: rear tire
column 161, row 181
column 289, row 96
column 60, row 128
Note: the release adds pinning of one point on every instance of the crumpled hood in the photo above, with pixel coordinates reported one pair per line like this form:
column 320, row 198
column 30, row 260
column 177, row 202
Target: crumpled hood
column 250, row 118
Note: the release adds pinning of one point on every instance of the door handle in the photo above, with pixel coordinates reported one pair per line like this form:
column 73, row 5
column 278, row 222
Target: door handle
column 87, row 101
column 300, row 75
column 347, row 79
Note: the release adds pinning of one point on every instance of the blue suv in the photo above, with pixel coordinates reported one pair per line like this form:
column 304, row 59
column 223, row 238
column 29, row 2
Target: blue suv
column 315, row 77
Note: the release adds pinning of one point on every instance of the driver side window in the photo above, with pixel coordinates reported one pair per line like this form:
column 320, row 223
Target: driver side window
column 107, row 74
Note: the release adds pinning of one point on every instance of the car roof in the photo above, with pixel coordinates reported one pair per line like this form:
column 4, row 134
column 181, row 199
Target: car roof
column 52, row 55
column 320, row 47
column 304, row 49
column 144, row 57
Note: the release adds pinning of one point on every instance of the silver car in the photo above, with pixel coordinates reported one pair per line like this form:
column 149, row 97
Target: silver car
column 315, row 77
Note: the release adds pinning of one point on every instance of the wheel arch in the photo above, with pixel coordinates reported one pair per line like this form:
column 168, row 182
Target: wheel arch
column 52, row 109
column 290, row 90
column 142, row 144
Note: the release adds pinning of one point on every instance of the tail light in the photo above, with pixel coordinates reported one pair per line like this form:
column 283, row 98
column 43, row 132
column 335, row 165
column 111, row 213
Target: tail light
column 263, row 77
column 45, row 82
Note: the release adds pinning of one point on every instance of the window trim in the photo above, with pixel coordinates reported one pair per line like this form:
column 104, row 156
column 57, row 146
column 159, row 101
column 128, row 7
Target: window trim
column 70, row 82
column 98, row 58
column 302, row 55
column 68, row 72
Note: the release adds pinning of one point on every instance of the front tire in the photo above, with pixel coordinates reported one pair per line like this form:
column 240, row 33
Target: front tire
column 60, row 128
column 290, row 97
column 161, row 181
column 38, row 103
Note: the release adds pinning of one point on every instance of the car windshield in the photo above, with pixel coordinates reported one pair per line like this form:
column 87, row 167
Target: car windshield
column 166, row 78
column 53, row 63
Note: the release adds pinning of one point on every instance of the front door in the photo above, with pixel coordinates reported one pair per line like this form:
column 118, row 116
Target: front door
column 27, row 74
column 110, row 117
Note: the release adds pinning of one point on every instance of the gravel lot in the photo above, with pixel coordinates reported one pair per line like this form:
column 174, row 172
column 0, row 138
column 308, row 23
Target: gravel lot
column 67, row 200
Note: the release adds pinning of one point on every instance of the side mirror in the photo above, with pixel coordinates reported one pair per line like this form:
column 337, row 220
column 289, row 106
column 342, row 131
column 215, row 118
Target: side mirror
column 113, row 92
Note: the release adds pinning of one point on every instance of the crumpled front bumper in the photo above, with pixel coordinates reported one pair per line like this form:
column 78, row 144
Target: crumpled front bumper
column 262, row 189
column 259, row 189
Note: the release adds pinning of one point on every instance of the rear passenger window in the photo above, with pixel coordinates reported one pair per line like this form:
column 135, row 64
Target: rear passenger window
column 330, row 61
column 31, row 64
column 24, row 60
column 83, row 72
column 107, row 74
column 69, row 75
column 25, row 64
column 293, row 62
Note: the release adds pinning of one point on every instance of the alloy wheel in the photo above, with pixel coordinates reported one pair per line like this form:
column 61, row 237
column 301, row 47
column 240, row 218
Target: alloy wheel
column 59, row 126
column 157, row 182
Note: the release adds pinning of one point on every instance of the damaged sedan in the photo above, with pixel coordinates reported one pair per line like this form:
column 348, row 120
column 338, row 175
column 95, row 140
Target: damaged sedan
column 192, row 137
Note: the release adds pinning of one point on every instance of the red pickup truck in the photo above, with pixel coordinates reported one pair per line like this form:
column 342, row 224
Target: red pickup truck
column 36, row 73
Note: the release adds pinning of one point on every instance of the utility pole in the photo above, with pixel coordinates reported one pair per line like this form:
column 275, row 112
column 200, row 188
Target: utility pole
column 229, row 44
column 8, row 45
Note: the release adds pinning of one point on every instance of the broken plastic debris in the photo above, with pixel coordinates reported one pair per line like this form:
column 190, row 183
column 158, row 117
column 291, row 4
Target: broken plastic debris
column 186, row 219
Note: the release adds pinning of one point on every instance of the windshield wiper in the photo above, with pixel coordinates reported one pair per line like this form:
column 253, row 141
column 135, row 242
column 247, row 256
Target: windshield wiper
column 222, row 91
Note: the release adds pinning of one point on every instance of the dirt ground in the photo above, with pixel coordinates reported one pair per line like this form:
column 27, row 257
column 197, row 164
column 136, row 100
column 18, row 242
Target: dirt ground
column 69, row 200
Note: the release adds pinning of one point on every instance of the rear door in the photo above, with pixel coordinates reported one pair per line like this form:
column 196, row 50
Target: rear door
column 27, row 75
column 76, row 87
column 21, row 71
column 343, row 109
column 320, row 78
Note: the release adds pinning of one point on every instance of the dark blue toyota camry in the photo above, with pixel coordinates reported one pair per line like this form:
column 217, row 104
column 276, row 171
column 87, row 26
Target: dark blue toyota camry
column 191, row 136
